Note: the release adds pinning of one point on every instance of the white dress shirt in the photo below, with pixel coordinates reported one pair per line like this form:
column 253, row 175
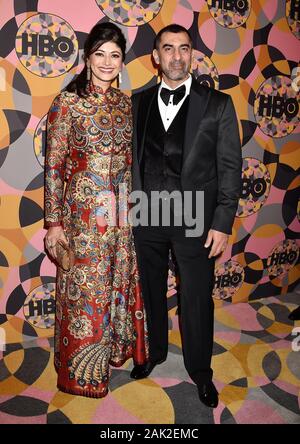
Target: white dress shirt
column 169, row 111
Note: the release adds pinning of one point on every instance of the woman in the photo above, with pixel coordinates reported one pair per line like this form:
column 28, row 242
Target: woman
column 99, row 311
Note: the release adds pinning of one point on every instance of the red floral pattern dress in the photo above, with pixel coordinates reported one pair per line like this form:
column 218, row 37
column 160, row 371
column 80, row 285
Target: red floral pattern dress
column 100, row 319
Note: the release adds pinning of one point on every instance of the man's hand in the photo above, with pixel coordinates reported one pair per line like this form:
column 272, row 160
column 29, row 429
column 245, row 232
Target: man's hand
column 218, row 242
column 68, row 170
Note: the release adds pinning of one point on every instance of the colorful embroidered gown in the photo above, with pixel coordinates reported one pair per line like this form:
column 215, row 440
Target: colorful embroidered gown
column 99, row 311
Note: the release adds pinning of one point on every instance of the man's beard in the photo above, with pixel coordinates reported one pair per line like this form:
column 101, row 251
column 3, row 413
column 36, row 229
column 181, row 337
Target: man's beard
column 178, row 72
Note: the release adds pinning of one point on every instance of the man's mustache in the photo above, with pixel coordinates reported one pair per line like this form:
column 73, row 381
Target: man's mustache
column 177, row 65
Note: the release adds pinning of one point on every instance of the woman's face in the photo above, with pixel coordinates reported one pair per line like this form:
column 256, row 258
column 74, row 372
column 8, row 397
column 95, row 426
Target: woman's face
column 105, row 64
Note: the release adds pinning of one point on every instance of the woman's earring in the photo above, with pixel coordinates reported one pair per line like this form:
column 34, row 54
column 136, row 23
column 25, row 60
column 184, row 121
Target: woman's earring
column 120, row 78
column 88, row 73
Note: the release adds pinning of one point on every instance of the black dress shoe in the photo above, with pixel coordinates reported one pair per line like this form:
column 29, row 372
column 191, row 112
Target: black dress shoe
column 208, row 394
column 144, row 370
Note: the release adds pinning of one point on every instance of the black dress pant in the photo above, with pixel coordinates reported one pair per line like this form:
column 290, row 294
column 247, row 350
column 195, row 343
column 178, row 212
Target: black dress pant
column 196, row 273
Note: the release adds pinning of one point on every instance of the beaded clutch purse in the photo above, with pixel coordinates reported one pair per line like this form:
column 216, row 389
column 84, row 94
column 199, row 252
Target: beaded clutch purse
column 65, row 257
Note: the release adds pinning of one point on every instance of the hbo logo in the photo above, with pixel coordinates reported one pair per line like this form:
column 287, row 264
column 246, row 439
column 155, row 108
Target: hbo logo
column 256, row 187
column 295, row 10
column 41, row 307
column 228, row 280
column 45, row 45
column 283, row 258
column 276, row 106
column 231, row 5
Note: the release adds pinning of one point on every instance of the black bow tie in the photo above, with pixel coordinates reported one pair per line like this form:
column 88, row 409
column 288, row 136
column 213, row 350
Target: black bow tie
column 178, row 94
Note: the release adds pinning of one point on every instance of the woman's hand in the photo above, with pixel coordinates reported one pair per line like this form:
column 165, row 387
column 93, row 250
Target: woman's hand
column 53, row 235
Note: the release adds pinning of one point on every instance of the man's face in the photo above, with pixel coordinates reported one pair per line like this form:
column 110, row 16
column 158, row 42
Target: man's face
column 174, row 55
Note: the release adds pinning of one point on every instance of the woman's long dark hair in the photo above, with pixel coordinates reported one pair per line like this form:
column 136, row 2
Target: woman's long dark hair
column 100, row 33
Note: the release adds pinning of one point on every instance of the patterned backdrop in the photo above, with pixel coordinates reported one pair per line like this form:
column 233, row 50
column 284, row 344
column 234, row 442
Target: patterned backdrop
column 249, row 49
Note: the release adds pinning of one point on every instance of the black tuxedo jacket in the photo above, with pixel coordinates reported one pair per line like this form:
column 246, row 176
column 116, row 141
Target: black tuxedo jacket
column 211, row 153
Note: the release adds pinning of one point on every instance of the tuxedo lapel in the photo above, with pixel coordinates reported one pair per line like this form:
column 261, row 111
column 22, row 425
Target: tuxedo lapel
column 143, row 116
column 199, row 97
column 198, row 101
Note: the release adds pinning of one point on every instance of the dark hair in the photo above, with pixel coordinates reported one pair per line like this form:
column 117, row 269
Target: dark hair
column 171, row 28
column 99, row 34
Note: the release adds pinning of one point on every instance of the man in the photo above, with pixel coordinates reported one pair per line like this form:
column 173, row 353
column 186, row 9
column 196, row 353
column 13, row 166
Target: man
column 185, row 139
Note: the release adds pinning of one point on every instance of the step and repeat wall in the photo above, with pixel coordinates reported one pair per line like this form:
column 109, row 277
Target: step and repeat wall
column 248, row 49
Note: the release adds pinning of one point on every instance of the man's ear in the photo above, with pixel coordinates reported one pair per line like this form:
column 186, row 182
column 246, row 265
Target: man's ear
column 155, row 56
column 193, row 60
